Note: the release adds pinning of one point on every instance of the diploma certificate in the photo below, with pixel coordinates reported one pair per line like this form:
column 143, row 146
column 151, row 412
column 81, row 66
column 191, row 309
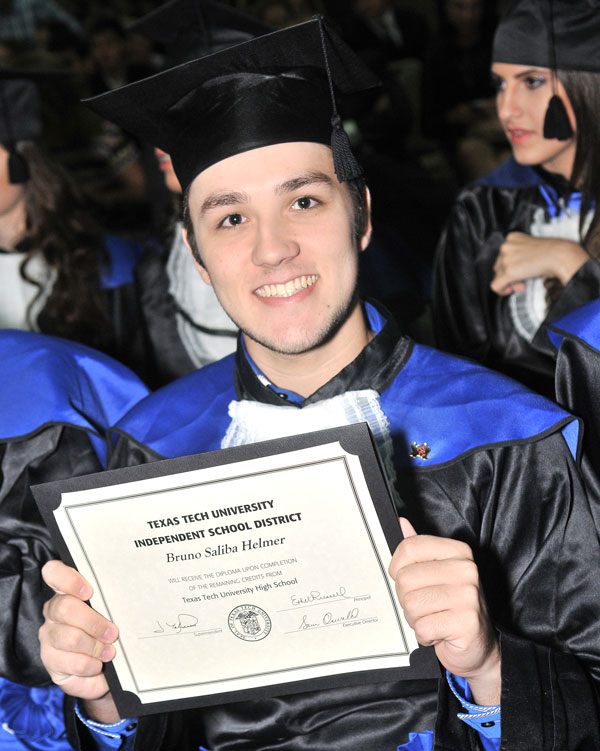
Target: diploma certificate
column 266, row 573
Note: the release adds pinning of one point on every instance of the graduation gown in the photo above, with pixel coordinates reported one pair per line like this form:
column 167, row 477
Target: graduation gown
column 470, row 319
column 126, row 336
column 185, row 325
column 162, row 320
column 500, row 475
column 129, row 341
column 576, row 337
column 56, row 400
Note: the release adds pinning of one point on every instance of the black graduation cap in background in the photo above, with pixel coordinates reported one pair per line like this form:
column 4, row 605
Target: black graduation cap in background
column 188, row 29
column 276, row 88
column 20, row 116
column 555, row 34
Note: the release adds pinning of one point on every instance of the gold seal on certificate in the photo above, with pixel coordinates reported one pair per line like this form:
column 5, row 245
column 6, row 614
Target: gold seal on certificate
column 259, row 568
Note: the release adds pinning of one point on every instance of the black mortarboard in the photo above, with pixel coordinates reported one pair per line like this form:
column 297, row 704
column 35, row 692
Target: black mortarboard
column 555, row 34
column 550, row 33
column 189, row 29
column 276, row 88
column 20, row 113
column 20, row 117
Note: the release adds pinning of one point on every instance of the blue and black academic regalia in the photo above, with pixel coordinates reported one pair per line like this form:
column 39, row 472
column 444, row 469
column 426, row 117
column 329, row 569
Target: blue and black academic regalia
column 477, row 458
column 576, row 337
column 123, row 335
column 130, row 342
column 469, row 319
column 57, row 399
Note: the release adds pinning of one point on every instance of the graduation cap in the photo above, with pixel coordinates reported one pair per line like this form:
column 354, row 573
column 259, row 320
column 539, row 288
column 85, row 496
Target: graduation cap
column 20, row 117
column 555, row 34
column 188, row 29
column 277, row 88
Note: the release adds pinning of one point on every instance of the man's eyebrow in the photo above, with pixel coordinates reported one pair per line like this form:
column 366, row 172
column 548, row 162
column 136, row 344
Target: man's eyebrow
column 308, row 178
column 215, row 200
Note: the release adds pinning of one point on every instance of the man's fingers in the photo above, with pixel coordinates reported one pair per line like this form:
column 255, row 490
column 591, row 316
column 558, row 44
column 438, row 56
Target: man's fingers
column 71, row 639
column 423, row 548
column 449, row 571
column 420, row 548
column 407, row 528
column 439, row 599
column 70, row 611
column 66, row 580
column 71, row 663
column 457, row 630
column 83, row 688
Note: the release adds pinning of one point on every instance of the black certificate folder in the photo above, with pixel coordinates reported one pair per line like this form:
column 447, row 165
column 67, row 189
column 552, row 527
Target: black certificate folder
column 253, row 571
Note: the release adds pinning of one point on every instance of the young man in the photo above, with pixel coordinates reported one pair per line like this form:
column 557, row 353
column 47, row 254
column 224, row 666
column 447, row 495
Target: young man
column 500, row 578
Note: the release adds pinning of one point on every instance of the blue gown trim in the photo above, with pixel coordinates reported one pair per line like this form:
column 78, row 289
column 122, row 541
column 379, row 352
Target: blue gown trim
column 511, row 174
column 51, row 380
column 418, row 742
column 123, row 256
column 456, row 406
column 187, row 416
column 450, row 403
column 556, row 203
column 31, row 718
column 581, row 323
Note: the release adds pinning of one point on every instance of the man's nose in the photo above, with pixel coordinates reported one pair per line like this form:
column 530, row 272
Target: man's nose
column 274, row 244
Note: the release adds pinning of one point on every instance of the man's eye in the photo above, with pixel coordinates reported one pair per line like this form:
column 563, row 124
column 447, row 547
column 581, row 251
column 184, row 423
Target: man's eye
column 306, row 202
column 232, row 220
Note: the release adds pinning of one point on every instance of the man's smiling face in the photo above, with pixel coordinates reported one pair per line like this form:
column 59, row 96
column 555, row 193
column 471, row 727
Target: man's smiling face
column 275, row 230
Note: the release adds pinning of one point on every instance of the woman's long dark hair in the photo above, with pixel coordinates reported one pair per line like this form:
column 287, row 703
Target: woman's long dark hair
column 583, row 90
column 60, row 228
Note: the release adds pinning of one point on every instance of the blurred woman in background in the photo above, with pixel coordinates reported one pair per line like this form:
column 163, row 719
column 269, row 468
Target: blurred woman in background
column 521, row 247
column 60, row 273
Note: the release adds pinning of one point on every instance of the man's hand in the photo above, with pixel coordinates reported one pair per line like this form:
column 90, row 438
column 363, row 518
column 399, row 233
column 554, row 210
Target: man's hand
column 522, row 256
column 437, row 583
column 75, row 640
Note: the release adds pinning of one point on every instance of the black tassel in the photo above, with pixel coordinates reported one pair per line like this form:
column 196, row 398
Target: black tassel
column 344, row 161
column 18, row 169
column 556, row 123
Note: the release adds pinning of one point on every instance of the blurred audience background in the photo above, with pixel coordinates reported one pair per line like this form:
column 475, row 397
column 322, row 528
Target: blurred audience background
column 427, row 131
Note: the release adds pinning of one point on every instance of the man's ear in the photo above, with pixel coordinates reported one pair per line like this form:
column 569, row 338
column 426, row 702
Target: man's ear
column 198, row 265
column 368, row 230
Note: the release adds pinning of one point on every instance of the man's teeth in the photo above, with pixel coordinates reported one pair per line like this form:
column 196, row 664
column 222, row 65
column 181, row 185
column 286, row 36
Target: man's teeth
column 289, row 288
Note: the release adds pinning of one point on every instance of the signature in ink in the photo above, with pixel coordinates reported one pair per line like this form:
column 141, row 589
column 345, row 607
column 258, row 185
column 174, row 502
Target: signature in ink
column 328, row 620
column 183, row 621
column 316, row 596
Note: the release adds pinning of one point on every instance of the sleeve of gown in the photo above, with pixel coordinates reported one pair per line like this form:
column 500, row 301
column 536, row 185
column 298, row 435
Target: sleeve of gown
column 131, row 341
column 577, row 385
column 168, row 355
column 461, row 281
column 583, row 287
column 538, row 554
column 157, row 732
column 55, row 452
column 468, row 318
column 127, row 452
column 24, row 548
